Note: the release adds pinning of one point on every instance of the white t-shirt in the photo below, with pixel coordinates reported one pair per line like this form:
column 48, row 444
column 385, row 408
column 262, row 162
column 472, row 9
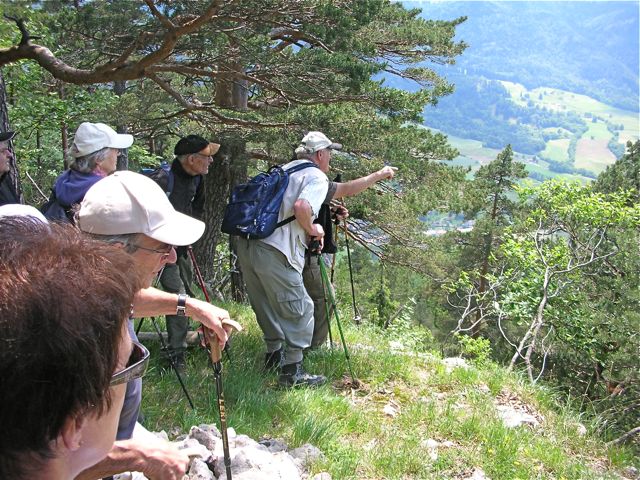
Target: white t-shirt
column 291, row 239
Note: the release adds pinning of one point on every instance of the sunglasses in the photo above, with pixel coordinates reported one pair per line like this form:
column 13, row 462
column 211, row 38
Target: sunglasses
column 208, row 157
column 136, row 366
column 164, row 252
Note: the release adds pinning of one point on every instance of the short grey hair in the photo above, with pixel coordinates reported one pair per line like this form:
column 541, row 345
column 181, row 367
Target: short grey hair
column 302, row 154
column 183, row 157
column 87, row 163
column 127, row 240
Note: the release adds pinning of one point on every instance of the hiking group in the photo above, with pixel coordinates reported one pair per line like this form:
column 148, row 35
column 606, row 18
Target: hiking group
column 69, row 278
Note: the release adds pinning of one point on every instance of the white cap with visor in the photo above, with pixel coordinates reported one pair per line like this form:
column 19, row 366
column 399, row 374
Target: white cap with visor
column 128, row 202
column 91, row 137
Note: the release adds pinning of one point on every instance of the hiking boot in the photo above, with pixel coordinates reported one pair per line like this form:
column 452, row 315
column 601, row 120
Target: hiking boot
column 272, row 360
column 293, row 375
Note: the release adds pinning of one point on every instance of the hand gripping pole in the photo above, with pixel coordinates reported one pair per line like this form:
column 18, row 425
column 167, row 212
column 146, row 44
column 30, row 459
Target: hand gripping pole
column 215, row 355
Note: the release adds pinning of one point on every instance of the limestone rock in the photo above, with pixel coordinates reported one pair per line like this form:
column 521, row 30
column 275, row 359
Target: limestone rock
column 196, row 449
column 391, row 409
column 258, row 464
column 478, row 474
column 452, row 363
column 204, row 436
column 513, row 418
column 632, row 473
column 321, row 476
column 162, row 435
column 244, row 441
column 200, row 471
column 274, row 444
column 307, row 454
column 581, row 430
column 130, row 476
column 212, row 428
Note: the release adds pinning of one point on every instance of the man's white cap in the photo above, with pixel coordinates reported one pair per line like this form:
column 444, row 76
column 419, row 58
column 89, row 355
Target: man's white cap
column 128, row 202
column 316, row 141
column 19, row 210
column 91, row 137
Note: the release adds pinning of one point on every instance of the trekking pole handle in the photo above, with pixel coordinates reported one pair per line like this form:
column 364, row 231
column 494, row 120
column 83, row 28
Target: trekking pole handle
column 211, row 342
column 314, row 245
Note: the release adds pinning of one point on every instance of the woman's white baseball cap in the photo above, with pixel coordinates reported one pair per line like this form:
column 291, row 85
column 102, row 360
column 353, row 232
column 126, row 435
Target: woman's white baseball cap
column 91, row 137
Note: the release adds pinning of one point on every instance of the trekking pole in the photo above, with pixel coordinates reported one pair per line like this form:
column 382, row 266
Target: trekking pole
column 356, row 314
column 164, row 348
column 171, row 361
column 336, row 222
column 215, row 355
column 211, row 344
column 139, row 326
column 155, row 284
column 203, row 287
column 325, row 279
column 326, row 305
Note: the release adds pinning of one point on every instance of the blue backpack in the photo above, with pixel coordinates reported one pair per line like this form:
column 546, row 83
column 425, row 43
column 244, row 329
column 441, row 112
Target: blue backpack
column 253, row 208
column 53, row 210
column 163, row 176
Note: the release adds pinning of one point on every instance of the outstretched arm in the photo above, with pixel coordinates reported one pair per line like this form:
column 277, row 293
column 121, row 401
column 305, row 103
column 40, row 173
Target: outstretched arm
column 152, row 301
column 348, row 189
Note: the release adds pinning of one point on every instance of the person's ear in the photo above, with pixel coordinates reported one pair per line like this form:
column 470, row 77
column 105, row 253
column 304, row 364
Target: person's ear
column 191, row 160
column 72, row 430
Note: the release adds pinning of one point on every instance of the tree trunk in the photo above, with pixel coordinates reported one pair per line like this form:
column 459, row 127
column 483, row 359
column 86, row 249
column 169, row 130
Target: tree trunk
column 238, row 290
column 623, row 438
column 228, row 169
column 539, row 321
column 486, row 254
column 11, row 181
column 64, row 136
column 119, row 88
column 533, row 330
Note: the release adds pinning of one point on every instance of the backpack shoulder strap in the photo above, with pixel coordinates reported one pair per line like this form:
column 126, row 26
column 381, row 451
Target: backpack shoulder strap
column 166, row 168
column 294, row 169
column 301, row 166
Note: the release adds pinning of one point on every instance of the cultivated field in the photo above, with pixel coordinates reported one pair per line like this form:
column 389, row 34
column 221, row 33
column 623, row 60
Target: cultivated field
column 473, row 155
column 557, row 150
column 593, row 155
column 592, row 152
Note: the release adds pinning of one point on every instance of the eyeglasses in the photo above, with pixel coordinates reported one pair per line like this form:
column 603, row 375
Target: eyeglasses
column 165, row 252
column 136, row 366
column 208, row 157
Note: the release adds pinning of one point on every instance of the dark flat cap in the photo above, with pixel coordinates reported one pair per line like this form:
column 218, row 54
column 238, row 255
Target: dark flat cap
column 195, row 144
column 4, row 136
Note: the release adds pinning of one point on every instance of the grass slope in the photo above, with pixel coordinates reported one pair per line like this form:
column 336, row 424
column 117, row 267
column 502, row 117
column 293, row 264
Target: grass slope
column 385, row 429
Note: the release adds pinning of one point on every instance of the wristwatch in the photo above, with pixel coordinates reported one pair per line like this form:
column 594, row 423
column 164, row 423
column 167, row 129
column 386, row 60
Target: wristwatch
column 181, row 309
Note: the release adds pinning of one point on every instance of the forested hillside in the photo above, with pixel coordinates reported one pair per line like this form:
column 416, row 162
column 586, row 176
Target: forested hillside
column 584, row 47
column 555, row 80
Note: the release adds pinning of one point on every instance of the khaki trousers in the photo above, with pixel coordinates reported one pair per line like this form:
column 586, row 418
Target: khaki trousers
column 283, row 308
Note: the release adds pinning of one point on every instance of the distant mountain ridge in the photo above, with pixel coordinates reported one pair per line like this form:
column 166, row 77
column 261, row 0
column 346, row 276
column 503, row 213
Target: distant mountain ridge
column 584, row 47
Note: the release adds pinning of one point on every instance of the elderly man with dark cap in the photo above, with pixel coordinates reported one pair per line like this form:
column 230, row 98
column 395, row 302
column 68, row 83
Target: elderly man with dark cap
column 184, row 187
column 8, row 192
